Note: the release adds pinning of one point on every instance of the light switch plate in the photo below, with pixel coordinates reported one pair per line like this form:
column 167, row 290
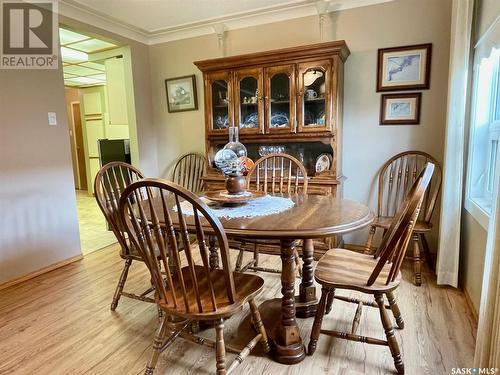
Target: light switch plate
column 52, row 119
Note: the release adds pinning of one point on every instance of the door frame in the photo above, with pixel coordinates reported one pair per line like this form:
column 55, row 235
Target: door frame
column 73, row 144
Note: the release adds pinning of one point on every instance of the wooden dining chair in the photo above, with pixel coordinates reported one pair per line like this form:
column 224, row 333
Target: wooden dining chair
column 395, row 179
column 376, row 275
column 110, row 182
column 194, row 292
column 274, row 173
column 189, row 170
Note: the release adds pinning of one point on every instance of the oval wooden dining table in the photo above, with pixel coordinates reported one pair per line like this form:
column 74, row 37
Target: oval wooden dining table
column 312, row 216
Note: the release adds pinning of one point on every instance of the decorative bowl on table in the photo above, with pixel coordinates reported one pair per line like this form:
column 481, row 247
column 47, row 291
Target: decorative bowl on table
column 226, row 198
column 235, row 183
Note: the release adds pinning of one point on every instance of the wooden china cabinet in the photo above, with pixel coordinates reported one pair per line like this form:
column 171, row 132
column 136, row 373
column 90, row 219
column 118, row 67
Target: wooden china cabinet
column 288, row 98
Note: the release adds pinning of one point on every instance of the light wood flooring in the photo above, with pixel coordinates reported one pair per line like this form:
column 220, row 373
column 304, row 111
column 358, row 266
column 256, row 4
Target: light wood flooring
column 60, row 323
column 94, row 234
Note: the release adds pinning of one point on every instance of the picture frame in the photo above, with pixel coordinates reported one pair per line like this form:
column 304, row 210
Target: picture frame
column 404, row 68
column 400, row 109
column 181, row 94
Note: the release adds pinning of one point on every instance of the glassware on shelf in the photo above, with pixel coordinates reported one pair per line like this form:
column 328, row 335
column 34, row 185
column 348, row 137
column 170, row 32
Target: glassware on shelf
column 267, row 150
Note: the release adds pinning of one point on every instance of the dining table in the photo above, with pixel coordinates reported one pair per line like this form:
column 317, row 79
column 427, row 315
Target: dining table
column 309, row 217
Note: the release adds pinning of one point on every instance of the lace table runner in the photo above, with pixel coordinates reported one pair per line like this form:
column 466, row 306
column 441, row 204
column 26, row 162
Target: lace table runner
column 264, row 206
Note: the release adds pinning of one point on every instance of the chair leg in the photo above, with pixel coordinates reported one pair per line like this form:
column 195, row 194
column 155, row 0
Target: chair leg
column 239, row 260
column 157, row 344
column 417, row 264
column 395, row 310
column 329, row 302
column 389, row 333
column 259, row 326
column 256, row 255
column 427, row 251
column 121, row 284
column 368, row 245
column 318, row 320
column 220, row 347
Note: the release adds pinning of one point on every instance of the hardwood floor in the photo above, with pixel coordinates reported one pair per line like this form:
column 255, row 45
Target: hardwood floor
column 94, row 234
column 60, row 323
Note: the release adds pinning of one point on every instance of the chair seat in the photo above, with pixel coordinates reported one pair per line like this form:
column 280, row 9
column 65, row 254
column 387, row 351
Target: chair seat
column 385, row 222
column 246, row 285
column 346, row 269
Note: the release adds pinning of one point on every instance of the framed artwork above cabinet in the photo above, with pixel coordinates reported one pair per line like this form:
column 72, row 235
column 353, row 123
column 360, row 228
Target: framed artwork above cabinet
column 288, row 98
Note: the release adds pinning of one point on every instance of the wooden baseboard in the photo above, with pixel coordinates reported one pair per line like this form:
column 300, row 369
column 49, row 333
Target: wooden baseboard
column 473, row 310
column 40, row 272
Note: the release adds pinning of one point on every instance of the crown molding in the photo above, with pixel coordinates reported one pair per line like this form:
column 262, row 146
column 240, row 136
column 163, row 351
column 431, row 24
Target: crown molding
column 71, row 9
column 272, row 14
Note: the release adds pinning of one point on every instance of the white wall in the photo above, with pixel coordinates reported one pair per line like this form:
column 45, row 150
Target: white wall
column 366, row 144
column 38, row 223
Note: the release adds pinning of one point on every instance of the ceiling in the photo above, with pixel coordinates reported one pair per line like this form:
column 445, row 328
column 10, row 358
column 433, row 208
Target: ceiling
column 76, row 51
column 156, row 21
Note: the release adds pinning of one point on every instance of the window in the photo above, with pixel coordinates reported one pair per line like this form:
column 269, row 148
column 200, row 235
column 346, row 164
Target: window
column 485, row 137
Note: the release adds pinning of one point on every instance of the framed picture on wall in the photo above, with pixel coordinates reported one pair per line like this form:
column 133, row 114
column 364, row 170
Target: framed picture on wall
column 404, row 68
column 181, row 94
column 400, row 109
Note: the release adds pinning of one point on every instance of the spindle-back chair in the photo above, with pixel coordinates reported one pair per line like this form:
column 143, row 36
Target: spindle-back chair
column 395, row 178
column 189, row 170
column 279, row 174
column 110, row 182
column 153, row 212
column 375, row 275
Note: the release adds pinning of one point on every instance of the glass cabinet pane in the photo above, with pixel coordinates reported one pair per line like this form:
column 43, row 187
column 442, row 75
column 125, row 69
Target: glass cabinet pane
column 249, row 103
column 314, row 100
column 220, row 104
column 280, row 101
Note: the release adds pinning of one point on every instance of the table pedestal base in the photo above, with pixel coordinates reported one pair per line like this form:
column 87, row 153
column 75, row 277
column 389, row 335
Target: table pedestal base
column 289, row 354
column 288, row 346
column 306, row 302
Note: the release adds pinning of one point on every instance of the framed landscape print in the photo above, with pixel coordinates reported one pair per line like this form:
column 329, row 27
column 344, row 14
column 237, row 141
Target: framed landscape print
column 400, row 109
column 404, row 68
column 181, row 93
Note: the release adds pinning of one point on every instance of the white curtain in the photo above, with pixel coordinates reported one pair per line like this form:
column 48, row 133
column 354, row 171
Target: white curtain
column 454, row 152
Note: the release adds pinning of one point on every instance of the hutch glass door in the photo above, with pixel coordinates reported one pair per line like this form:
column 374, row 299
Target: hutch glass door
column 249, row 108
column 314, row 96
column 219, row 102
column 280, row 99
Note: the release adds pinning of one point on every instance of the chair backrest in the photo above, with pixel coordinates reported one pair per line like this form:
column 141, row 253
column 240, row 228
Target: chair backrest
column 278, row 173
column 152, row 211
column 109, row 184
column 189, row 170
column 395, row 241
column 397, row 176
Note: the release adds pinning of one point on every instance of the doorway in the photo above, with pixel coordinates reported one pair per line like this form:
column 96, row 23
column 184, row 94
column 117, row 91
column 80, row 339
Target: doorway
column 98, row 88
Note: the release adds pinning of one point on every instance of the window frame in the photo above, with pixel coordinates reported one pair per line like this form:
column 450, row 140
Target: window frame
column 477, row 205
